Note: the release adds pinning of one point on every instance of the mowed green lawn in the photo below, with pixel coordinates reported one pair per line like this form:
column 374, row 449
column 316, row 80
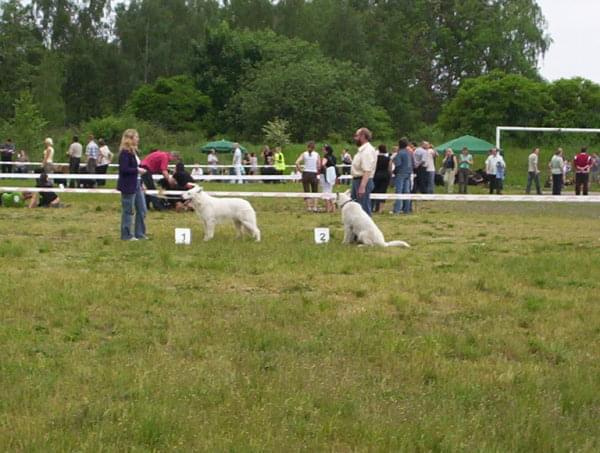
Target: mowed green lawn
column 483, row 336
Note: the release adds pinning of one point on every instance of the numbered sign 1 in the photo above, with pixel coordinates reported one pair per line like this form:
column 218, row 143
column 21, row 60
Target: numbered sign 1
column 321, row 235
column 183, row 236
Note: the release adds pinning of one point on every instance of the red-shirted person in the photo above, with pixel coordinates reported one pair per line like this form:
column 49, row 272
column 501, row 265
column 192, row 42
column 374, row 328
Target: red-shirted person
column 582, row 164
column 157, row 163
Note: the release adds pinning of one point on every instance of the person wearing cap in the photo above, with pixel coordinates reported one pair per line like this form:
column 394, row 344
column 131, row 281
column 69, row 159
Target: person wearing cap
column 363, row 169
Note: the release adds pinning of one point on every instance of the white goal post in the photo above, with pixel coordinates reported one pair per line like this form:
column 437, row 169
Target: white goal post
column 499, row 130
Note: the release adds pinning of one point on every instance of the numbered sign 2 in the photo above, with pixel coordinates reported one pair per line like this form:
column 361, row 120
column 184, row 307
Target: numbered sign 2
column 321, row 235
column 183, row 236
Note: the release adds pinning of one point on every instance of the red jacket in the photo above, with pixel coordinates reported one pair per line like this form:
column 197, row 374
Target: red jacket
column 583, row 163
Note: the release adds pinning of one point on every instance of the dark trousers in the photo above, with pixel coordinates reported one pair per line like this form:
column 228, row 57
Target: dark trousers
column 581, row 182
column 422, row 180
column 381, row 185
column 494, row 184
column 531, row 177
column 74, row 169
column 101, row 170
column 6, row 168
column 151, row 200
column 557, row 182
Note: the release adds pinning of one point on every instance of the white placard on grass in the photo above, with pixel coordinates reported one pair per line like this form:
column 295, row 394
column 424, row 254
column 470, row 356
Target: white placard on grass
column 321, row 235
column 183, row 236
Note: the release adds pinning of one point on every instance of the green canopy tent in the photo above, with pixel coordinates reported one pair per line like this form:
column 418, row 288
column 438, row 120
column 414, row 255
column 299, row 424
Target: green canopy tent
column 473, row 144
column 220, row 146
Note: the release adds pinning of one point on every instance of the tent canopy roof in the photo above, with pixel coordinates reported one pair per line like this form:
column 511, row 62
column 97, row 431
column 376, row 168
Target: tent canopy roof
column 473, row 144
column 220, row 146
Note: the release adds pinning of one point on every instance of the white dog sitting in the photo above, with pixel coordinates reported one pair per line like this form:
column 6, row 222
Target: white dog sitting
column 359, row 227
column 212, row 211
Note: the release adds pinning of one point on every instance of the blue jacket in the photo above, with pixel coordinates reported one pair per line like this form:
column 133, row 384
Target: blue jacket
column 403, row 163
column 128, row 172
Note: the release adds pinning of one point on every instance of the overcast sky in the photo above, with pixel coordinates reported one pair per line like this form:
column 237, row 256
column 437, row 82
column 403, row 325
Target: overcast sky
column 575, row 51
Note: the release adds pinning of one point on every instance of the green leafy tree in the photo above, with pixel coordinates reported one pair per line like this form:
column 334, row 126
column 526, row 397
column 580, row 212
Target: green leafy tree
column 276, row 132
column 28, row 124
column 159, row 35
column 496, row 99
column 317, row 96
column 172, row 102
column 579, row 101
column 47, row 88
column 19, row 62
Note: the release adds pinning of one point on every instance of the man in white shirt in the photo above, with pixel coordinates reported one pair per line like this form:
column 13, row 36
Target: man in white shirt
column 363, row 169
column 491, row 169
column 533, row 172
column 75, row 151
column 422, row 180
column 237, row 162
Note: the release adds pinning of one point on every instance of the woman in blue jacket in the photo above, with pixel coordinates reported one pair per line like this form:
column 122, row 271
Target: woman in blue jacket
column 130, row 186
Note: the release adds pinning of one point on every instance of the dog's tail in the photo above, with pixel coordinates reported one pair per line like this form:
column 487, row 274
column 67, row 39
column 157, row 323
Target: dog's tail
column 397, row 244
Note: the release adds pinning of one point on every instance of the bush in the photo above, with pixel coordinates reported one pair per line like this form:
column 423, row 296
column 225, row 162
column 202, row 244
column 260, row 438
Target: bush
column 173, row 102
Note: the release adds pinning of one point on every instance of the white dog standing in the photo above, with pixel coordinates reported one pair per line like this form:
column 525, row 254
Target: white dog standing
column 359, row 227
column 212, row 211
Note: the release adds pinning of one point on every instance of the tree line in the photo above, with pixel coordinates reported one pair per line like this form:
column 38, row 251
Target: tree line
column 323, row 66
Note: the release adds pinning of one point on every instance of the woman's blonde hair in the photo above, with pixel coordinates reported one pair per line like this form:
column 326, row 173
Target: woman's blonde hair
column 48, row 141
column 127, row 140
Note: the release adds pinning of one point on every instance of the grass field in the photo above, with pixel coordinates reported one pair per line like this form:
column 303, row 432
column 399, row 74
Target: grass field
column 481, row 337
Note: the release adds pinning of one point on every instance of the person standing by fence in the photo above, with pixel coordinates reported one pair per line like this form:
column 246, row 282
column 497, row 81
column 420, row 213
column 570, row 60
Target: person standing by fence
column 312, row 165
column 582, row 164
column 556, row 166
column 347, row 161
column 105, row 157
column 130, row 186
column 6, row 155
column 464, row 169
column 533, row 172
column 91, row 152
column 74, row 152
column 491, row 169
column 449, row 169
column 403, row 165
column 363, row 169
column 381, row 179
column 48, row 159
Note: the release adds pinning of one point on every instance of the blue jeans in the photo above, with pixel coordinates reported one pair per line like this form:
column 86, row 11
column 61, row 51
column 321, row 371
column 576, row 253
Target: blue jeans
column 365, row 200
column 402, row 185
column 128, row 202
column 431, row 182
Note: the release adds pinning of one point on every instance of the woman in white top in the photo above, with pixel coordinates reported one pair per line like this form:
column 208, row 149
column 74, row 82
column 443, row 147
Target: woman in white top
column 312, row 165
column 47, row 161
column 197, row 172
column 104, row 159
column 212, row 161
